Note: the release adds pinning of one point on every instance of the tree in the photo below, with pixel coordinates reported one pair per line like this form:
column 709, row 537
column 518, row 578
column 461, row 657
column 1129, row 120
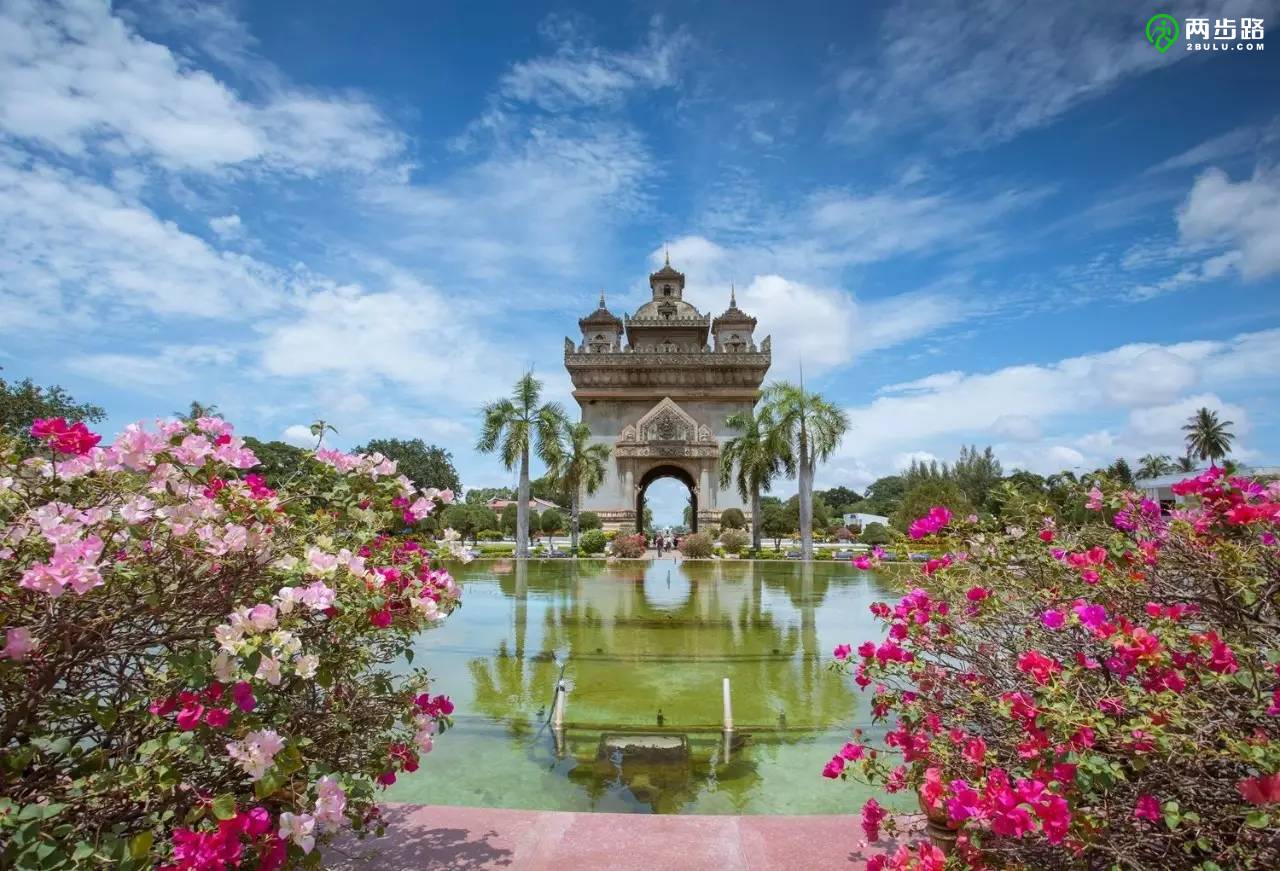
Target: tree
column 925, row 495
column 535, row 522
column 278, row 462
column 1184, row 464
column 548, row 489
column 1207, row 437
column 648, row 519
column 468, row 520
column 876, row 533
column 1153, row 466
column 977, row 473
column 812, row 428
column 511, row 427
column 551, row 524
column 480, row 495
column 775, row 523
column 821, row 513
column 593, row 542
column 197, row 410
column 589, row 520
column 579, row 468
column 1121, row 472
column 22, row 402
column 841, row 499
column 733, row 518
column 884, row 495
column 752, row 459
column 425, row 465
column 508, row 521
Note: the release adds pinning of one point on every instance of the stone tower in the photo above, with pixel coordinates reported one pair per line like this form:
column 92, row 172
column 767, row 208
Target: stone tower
column 656, row 387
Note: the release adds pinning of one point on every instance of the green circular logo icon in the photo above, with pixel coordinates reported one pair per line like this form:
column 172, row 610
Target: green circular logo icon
column 1162, row 30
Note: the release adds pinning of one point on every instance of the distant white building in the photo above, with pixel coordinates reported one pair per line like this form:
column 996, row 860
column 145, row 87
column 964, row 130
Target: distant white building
column 863, row 520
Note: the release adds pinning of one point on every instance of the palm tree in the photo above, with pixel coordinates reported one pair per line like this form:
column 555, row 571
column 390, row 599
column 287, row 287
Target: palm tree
column 197, row 411
column 1153, row 466
column 1184, row 464
column 752, row 459
column 811, row 427
column 579, row 467
column 510, row 426
column 1207, row 437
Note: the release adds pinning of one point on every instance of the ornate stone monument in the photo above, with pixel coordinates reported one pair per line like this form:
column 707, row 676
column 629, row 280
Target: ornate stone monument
column 657, row 387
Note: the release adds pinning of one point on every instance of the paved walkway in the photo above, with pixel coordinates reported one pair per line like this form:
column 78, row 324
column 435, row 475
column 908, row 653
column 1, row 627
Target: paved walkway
column 471, row 839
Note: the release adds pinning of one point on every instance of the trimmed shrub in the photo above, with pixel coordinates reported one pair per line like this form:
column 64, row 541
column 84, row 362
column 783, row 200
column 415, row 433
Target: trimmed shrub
column 734, row 540
column 592, row 542
column 489, row 535
column 876, row 533
column 733, row 518
column 696, row 545
column 629, row 546
column 588, row 520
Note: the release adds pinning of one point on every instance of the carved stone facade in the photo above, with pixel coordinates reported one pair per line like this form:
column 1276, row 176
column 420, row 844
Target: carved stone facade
column 657, row 387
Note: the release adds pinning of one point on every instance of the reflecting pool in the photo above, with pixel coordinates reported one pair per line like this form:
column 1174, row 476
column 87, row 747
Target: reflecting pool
column 645, row 648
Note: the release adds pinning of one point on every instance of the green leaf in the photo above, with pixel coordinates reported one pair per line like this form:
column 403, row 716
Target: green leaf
column 269, row 784
column 289, row 759
column 140, row 846
column 224, row 806
column 83, row 850
column 1258, row 819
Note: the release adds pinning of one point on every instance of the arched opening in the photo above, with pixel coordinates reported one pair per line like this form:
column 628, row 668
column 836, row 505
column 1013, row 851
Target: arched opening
column 654, row 474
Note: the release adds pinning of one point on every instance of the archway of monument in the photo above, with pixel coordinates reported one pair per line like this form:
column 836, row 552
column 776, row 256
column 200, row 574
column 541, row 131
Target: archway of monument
column 666, row 471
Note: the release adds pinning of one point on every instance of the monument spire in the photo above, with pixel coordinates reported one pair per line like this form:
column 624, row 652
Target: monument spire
column 666, row 254
column 602, row 297
column 733, row 296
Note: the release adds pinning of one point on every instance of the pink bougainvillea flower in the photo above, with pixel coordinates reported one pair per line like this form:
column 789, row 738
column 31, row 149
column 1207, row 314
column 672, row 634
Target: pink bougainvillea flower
column 242, row 695
column 18, row 644
column 1053, row 619
column 872, row 816
column 1261, row 790
column 842, row 652
column 380, row 618
column 63, row 438
column 977, row 594
column 862, row 562
column 975, row 751
column 833, row 768
column 852, row 751
column 217, row 718
column 1147, row 808
column 938, row 517
column 1041, row 668
column 1046, row 535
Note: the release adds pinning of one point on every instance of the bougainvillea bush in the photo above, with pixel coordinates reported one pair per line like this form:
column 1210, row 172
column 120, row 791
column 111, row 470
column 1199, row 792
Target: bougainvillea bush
column 1099, row 695
column 197, row 669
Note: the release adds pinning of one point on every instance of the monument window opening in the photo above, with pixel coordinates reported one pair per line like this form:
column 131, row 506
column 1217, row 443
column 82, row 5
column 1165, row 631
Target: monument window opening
column 674, row 499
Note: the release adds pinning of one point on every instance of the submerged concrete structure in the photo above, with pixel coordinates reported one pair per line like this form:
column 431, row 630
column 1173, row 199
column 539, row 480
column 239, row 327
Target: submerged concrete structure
column 656, row 387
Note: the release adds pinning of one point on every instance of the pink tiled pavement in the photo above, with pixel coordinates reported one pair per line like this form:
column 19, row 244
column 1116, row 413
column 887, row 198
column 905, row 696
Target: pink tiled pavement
column 471, row 839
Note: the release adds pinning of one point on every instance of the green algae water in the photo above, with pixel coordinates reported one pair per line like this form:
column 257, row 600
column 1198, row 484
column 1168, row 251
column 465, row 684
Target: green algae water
column 645, row 647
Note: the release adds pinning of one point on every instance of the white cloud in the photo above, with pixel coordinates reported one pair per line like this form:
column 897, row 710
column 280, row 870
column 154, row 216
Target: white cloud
column 226, row 226
column 409, row 335
column 166, row 367
column 946, row 67
column 1153, row 376
column 580, row 74
column 298, row 434
column 1243, row 215
column 77, row 79
column 68, row 245
column 1018, row 427
column 1037, row 406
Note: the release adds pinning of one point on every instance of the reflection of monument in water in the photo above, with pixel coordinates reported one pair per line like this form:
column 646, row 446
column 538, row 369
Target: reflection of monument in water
column 647, row 647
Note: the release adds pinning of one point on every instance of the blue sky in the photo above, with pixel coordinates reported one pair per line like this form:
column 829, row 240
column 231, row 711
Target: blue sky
column 983, row 224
